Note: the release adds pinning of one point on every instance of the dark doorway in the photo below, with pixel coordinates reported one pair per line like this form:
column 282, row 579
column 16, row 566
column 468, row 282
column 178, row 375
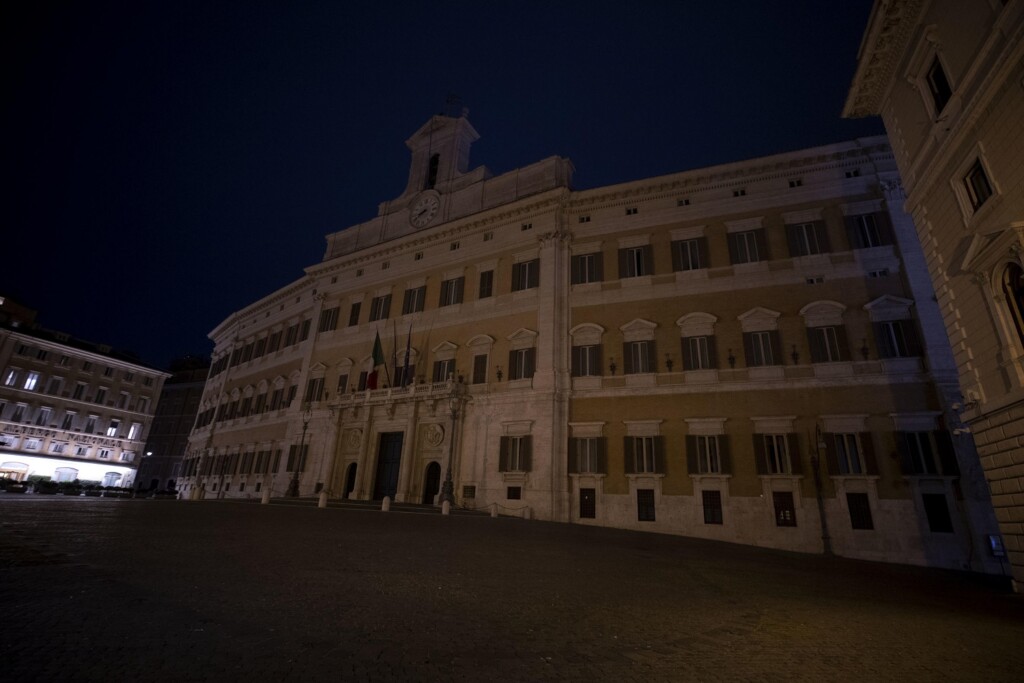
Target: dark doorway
column 350, row 481
column 588, row 504
column 431, row 483
column 389, row 457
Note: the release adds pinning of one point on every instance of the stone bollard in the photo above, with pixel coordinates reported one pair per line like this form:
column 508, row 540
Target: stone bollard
column 494, row 509
column 323, row 500
column 446, row 507
column 385, row 505
column 266, row 496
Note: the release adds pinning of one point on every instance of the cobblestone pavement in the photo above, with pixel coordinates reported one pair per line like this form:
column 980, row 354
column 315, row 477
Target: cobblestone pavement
column 115, row 590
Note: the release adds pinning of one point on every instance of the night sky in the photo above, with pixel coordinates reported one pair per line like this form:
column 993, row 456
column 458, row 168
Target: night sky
column 169, row 163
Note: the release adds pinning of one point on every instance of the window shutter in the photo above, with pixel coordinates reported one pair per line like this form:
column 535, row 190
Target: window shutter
column 628, row 457
column 623, row 259
column 867, row 449
column 526, row 446
column 748, row 348
column 684, row 343
column 884, row 225
column 947, row 454
column 702, row 252
column 776, row 343
column 650, row 351
column 574, row 360
column 602, row 455
column 573, row 461
column 599, row 266
column 853, row 233
column 724, row 456
column 910, row 336
column 795, row 457
column 793, row 238
column 677, row 257
column 712, row 351
column 596, row 354
column 627, row 359
column 821, row 232
column 459, row 284
column 479, row 369
column 817, row 344
column 831, row 455
column 691, row 454
column 648, row 252
column 534, row 274
column 760, row 238
column 760, row 464
column 660, row 464
column 575, row 277
column 531, row 361
column 734, row 253
column 883, row 341
column 503, row 455
column 843, row 341
column 387, row 307
column 906, row 462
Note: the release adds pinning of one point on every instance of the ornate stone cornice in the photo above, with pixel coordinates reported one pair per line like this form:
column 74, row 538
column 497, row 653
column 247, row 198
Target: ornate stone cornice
column 888, row 31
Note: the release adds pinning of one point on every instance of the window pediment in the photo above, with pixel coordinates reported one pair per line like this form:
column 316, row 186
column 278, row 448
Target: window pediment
column 759, row 319
column 888, row 307
column 586, row 334
column 823, row 313
column 638, row 330
column 697, row 324
column 522, row 338
column 481, row 340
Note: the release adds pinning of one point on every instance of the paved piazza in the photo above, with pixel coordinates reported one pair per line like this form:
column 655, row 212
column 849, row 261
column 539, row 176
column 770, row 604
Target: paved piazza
column 147, row 590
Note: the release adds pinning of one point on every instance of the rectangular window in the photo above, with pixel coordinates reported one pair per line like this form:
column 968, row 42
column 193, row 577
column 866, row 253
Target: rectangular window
column 645, row 505
column 860, row 511
column 108, row 372
column 412, row 300
column 79, row 391
column 514, row 493
column 525, row 275
column 314, row 390
column 636, row 261
column 936, row 509
column 10, row 378
column 101, row 395
column 868, row 230
column 638, row 357
column 709, row 460
column 275, row 398
column 712, row 506
column 43, row 417
column 103, row 454
column 274, row 343
column 979, row 189
column 353, row 314
column 515, row 453
column 292, row 390
column 69, row 421
column 451, row 292
column 699, row 353
column 54, row 385
column 776, row 454
column 19, row 412
column 586, row 455
column 847, row 454
column 641, row 454
column 380, row 307
column 587, row 268
column 521, row 363
column 328, row 320
column 916, row 453
column 588, row 503
column 31, row 380
column 586, row 361
column 480, row 368
column 90, row 424
column 938, row 86
column 897, row 339
column 486, row 284
column 785, row 511
column 760, row 349
column 114, row 426
column 261, row 344
column 291, row 336
column 86, row 366
column 123, row 401
column 342, row 384
column 304, row 334
column 807, row 239
column 42, row 354
column 828, row 344
column 444, row 370
column 689, row 254
column 747, row 247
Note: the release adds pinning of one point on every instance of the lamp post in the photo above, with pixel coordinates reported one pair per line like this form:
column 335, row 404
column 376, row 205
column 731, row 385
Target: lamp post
column 454, row 403
column 293, row 485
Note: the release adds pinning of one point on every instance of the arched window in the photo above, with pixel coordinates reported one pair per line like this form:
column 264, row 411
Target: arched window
column 1013, row 290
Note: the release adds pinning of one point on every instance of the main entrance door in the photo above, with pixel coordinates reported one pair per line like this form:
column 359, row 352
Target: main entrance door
column 431, row 482
column 389, row 457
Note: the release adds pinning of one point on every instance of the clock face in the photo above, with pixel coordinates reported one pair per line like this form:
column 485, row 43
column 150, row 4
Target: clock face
column 424, row 209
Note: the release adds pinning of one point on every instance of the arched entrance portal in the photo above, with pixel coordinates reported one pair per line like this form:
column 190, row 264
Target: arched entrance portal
column 431, row 483
column 350, row 481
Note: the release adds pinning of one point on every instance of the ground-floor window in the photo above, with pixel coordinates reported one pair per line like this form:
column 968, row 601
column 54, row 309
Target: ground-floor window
column 936, row 509
column 259, row 485
column 514, row 493
column 860, row 511
column 645, row 505
column 785, row 511
column 712, row 507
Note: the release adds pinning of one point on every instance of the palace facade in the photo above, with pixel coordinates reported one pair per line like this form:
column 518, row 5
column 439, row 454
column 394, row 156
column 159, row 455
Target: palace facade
column 947, row 78
column 749, row 352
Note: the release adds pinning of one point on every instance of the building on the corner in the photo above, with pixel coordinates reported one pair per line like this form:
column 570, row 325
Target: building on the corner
column 947, row 78
column 175, row 416
column 749, row 352
column 69, row 409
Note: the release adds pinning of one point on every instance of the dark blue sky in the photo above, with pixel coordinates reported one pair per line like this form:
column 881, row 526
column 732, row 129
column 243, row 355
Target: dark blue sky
column 169, row 163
